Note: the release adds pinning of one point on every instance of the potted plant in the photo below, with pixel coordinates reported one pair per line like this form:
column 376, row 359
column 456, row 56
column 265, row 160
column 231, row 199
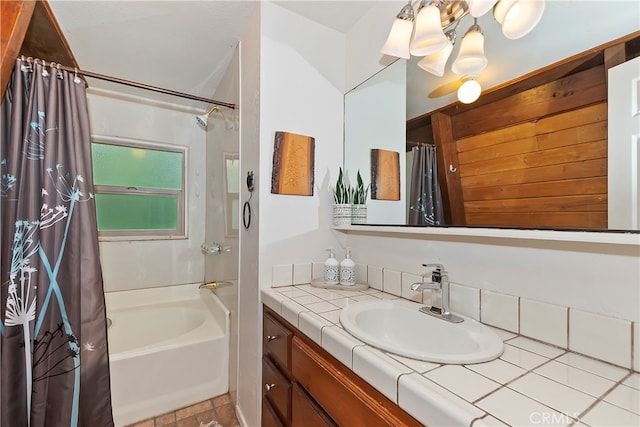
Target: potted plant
column 359, row 195
column 341, row 202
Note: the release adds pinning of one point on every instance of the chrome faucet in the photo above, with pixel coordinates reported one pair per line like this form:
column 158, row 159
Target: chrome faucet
column 440, row 294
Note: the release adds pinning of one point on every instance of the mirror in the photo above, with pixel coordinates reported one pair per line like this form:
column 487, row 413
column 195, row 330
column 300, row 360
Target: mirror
column 376, row 117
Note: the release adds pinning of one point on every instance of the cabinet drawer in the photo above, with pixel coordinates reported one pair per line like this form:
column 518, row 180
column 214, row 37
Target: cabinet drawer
column 269, row 415
column 305, row 412
column 276, row 341
column 276, row 388
column 347, row 398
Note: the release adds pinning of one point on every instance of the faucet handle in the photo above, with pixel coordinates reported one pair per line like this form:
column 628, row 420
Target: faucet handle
column 438, row 267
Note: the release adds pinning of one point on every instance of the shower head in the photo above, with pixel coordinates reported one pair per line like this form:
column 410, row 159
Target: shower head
column 203, row 118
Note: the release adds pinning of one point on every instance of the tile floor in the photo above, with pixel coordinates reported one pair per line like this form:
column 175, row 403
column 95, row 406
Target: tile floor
column 204, row 414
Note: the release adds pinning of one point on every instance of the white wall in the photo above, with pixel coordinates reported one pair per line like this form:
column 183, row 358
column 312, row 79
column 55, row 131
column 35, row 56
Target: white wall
column 301, row 91
column 370, row 123
column 595, row 277
column 223, row 137
column 249, row 351
column 143, row 264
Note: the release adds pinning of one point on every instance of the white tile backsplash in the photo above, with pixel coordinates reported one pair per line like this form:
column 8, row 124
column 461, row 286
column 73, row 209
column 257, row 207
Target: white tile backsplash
column 532, row 383
column 282, row 275
column 602, row 337
column 544, row 322
column 605, row 338
column 374, row 276
column 636, row 346
column 409, row 279
column 361, row 273
column 301, row 273
column 392, row 281
column 499, row 310
column 465, row 300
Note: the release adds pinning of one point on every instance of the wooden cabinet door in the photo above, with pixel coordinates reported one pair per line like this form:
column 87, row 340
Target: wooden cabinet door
column 269, row 415
column 276, row 388
column 276, row 341
column 305, row 412
column 346, row 398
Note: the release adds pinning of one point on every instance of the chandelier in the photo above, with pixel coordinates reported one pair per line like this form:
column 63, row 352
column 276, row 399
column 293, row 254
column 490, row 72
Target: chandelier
column 431, row 33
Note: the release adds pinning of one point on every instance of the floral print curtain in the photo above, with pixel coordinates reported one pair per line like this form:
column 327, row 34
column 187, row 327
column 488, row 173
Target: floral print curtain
column 53, row 344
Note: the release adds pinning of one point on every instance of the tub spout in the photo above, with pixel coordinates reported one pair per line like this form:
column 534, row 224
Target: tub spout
column 214, row 285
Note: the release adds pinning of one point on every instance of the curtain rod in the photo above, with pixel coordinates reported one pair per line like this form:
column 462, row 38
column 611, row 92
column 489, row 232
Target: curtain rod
column 133, row 84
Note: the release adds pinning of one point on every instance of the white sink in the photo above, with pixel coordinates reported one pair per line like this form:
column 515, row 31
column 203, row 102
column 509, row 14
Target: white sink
column 398, row 327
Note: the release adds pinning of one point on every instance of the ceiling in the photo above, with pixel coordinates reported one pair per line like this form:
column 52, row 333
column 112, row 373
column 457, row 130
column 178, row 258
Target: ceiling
column 186, row 46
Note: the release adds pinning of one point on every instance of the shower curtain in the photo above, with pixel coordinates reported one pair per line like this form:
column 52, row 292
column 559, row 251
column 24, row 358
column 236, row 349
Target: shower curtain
column 53, row 346
column 425, row 199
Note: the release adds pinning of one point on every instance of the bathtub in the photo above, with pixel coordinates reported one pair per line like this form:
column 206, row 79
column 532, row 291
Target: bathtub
column 168, row 348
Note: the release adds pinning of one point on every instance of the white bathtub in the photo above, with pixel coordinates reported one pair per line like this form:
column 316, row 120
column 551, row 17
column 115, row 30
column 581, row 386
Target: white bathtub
column 168, row 348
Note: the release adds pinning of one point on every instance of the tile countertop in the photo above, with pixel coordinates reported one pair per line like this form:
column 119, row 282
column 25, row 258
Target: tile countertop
column 531, row 384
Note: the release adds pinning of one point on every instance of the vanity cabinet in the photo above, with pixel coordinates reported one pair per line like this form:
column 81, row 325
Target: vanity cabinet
column 304, row 386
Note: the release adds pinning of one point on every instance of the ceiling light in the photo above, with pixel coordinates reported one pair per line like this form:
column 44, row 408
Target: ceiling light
column 436, row 62
column 477, row 8
column 518, row 17
column 428, row 35
column 470, row 90
column 397, row 43
column 471, row 59
column 437, row 17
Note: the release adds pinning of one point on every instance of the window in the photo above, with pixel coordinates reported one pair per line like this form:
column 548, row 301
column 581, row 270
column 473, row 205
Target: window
column 139, row 188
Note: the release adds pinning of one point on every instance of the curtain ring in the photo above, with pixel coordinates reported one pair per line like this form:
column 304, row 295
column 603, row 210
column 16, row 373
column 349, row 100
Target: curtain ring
column 452, row 169
column 76, row 79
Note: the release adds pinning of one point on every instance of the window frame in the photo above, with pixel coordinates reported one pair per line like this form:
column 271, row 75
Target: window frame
column 181, row 230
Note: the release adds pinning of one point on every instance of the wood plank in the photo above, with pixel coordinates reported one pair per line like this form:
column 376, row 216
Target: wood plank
column 566, row 187
column 574, row 118
column 577, row 203
column 45, row 39
column 450, row 185
column 584, row 88
column 573, row 170
column 566, row 220
column 14, row 18
column 572, row 153
column 590, row 114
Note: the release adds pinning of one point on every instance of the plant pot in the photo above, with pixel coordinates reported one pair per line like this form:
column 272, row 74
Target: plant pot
column 342, row 214
column 358, row 214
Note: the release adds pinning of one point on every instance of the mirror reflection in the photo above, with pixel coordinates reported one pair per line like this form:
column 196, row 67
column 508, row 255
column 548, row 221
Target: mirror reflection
column 533, row 154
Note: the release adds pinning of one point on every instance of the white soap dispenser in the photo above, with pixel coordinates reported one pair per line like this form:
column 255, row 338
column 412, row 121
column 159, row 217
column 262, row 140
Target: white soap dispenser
column 331, row 269
column 348, row 270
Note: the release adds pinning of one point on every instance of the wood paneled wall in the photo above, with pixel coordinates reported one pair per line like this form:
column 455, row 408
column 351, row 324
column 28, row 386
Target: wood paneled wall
column 550, row 172
column 532, row 153
column 538, row 158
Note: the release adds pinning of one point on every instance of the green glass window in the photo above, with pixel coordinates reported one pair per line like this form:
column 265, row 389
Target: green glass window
column 138, row 189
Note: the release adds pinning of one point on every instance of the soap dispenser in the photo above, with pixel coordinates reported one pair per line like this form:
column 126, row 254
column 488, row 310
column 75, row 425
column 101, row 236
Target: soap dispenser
column 348, row 270
column 331, row 269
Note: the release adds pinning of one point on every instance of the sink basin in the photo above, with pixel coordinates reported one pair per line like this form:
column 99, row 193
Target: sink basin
column 398, row 327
